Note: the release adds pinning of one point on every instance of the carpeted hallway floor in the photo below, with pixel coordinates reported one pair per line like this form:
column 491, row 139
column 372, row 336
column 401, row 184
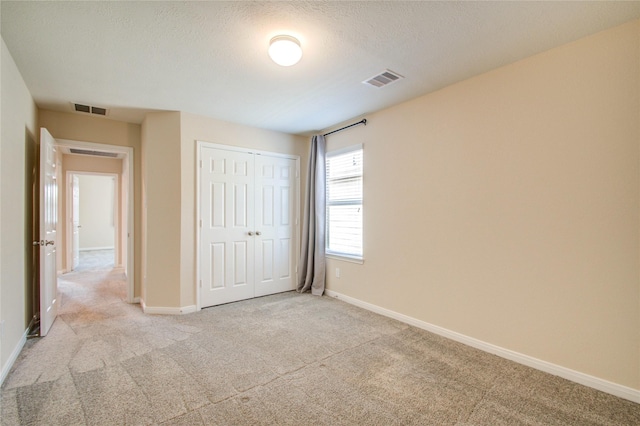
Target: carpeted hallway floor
column 283, row 359
column 96, row 260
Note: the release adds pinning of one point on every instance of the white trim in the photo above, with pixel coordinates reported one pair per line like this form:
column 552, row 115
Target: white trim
column 162, row 310
column 128, row 171
column 548, row 367
column 200, row 144
column 98, row 248
column 345, row 258
column 198, row 172
column 13, row 357
column 68, row 223
column 298, row 223
column 189, row 309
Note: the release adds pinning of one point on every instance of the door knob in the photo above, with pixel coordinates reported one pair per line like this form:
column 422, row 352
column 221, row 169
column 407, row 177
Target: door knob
column 49, row 243
column 258, row 233
column 250, row 233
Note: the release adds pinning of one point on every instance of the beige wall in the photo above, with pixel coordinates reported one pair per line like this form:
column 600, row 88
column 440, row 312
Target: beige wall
column 161, row 209
column 18, row 138
column 97, row 212
column 506, row 207
column 83, row 128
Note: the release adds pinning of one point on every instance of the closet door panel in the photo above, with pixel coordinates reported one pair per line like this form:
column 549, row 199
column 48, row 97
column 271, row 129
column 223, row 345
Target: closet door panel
column 275, row 208
column 227, row 220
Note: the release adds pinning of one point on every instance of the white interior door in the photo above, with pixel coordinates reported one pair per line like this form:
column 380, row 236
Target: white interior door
column 227, row 226
column 75, row 220
column 48, row 220
column 275, row 214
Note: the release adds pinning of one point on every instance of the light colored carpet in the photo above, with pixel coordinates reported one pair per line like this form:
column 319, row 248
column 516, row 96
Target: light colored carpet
column 283, row 359
column 96, row 259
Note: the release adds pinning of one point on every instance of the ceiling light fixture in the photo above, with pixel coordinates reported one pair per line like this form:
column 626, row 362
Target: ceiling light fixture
column 285, row 50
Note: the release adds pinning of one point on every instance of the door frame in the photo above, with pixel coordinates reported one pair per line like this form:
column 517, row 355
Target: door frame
column 204, row 144
column 117, row 242
column 128, row 173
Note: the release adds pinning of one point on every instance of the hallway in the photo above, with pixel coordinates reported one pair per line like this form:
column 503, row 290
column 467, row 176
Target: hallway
column 96, row 260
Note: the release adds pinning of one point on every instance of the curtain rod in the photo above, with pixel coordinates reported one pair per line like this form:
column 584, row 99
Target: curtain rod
column 363, row 121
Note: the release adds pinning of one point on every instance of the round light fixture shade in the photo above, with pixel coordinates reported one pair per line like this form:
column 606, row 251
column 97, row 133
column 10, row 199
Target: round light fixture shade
column 285, row 50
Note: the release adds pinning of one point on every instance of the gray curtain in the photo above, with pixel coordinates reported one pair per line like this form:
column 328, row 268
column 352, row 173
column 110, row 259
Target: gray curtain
column 312, row 261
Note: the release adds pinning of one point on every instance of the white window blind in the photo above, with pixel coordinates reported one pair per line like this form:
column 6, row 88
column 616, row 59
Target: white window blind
column 344, row 202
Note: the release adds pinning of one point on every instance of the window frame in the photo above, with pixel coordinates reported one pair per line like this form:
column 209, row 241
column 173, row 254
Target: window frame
column 349, row 257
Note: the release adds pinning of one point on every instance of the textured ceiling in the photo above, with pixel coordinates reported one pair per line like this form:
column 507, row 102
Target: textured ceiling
column 210, row 58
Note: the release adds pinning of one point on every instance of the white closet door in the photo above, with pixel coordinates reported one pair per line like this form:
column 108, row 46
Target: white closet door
column 227, row 214
column 275, row 217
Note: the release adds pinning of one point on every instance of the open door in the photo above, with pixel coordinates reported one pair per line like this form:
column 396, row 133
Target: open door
column 48, row 189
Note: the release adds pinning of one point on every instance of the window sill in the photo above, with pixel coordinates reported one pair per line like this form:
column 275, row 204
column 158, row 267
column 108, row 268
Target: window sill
column 346, row 258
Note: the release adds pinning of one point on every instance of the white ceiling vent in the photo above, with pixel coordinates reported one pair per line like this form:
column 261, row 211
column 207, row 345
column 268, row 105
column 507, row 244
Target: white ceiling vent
column 385, row 78
column 90, row 109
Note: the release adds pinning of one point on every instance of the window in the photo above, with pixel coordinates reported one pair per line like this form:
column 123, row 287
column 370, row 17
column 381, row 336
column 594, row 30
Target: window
column 344, row 202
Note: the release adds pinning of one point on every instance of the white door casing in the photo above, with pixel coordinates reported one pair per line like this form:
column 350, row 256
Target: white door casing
column 75, row 220
column 248, row 219
column 48, row 211
column 127, row 205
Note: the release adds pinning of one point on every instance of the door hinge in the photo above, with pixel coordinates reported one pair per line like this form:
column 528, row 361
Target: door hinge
column 200, row 223
column 200, row 283
column 200, row 163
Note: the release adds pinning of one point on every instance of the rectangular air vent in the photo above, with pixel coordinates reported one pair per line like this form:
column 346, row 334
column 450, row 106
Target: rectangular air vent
column 91, row 152
column 385, row 78
column 90, row 109
column 82, row 108
column 98, row 110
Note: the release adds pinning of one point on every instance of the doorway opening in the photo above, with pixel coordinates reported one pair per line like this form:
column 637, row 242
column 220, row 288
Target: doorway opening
column 97, row 209
column 93, row 221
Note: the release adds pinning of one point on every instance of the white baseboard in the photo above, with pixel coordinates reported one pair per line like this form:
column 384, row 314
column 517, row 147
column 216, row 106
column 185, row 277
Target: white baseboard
column 566, row 373
column 188, row 309
column 136, row 300
column 14, row 355
column 96, row 248
column 161, row 310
